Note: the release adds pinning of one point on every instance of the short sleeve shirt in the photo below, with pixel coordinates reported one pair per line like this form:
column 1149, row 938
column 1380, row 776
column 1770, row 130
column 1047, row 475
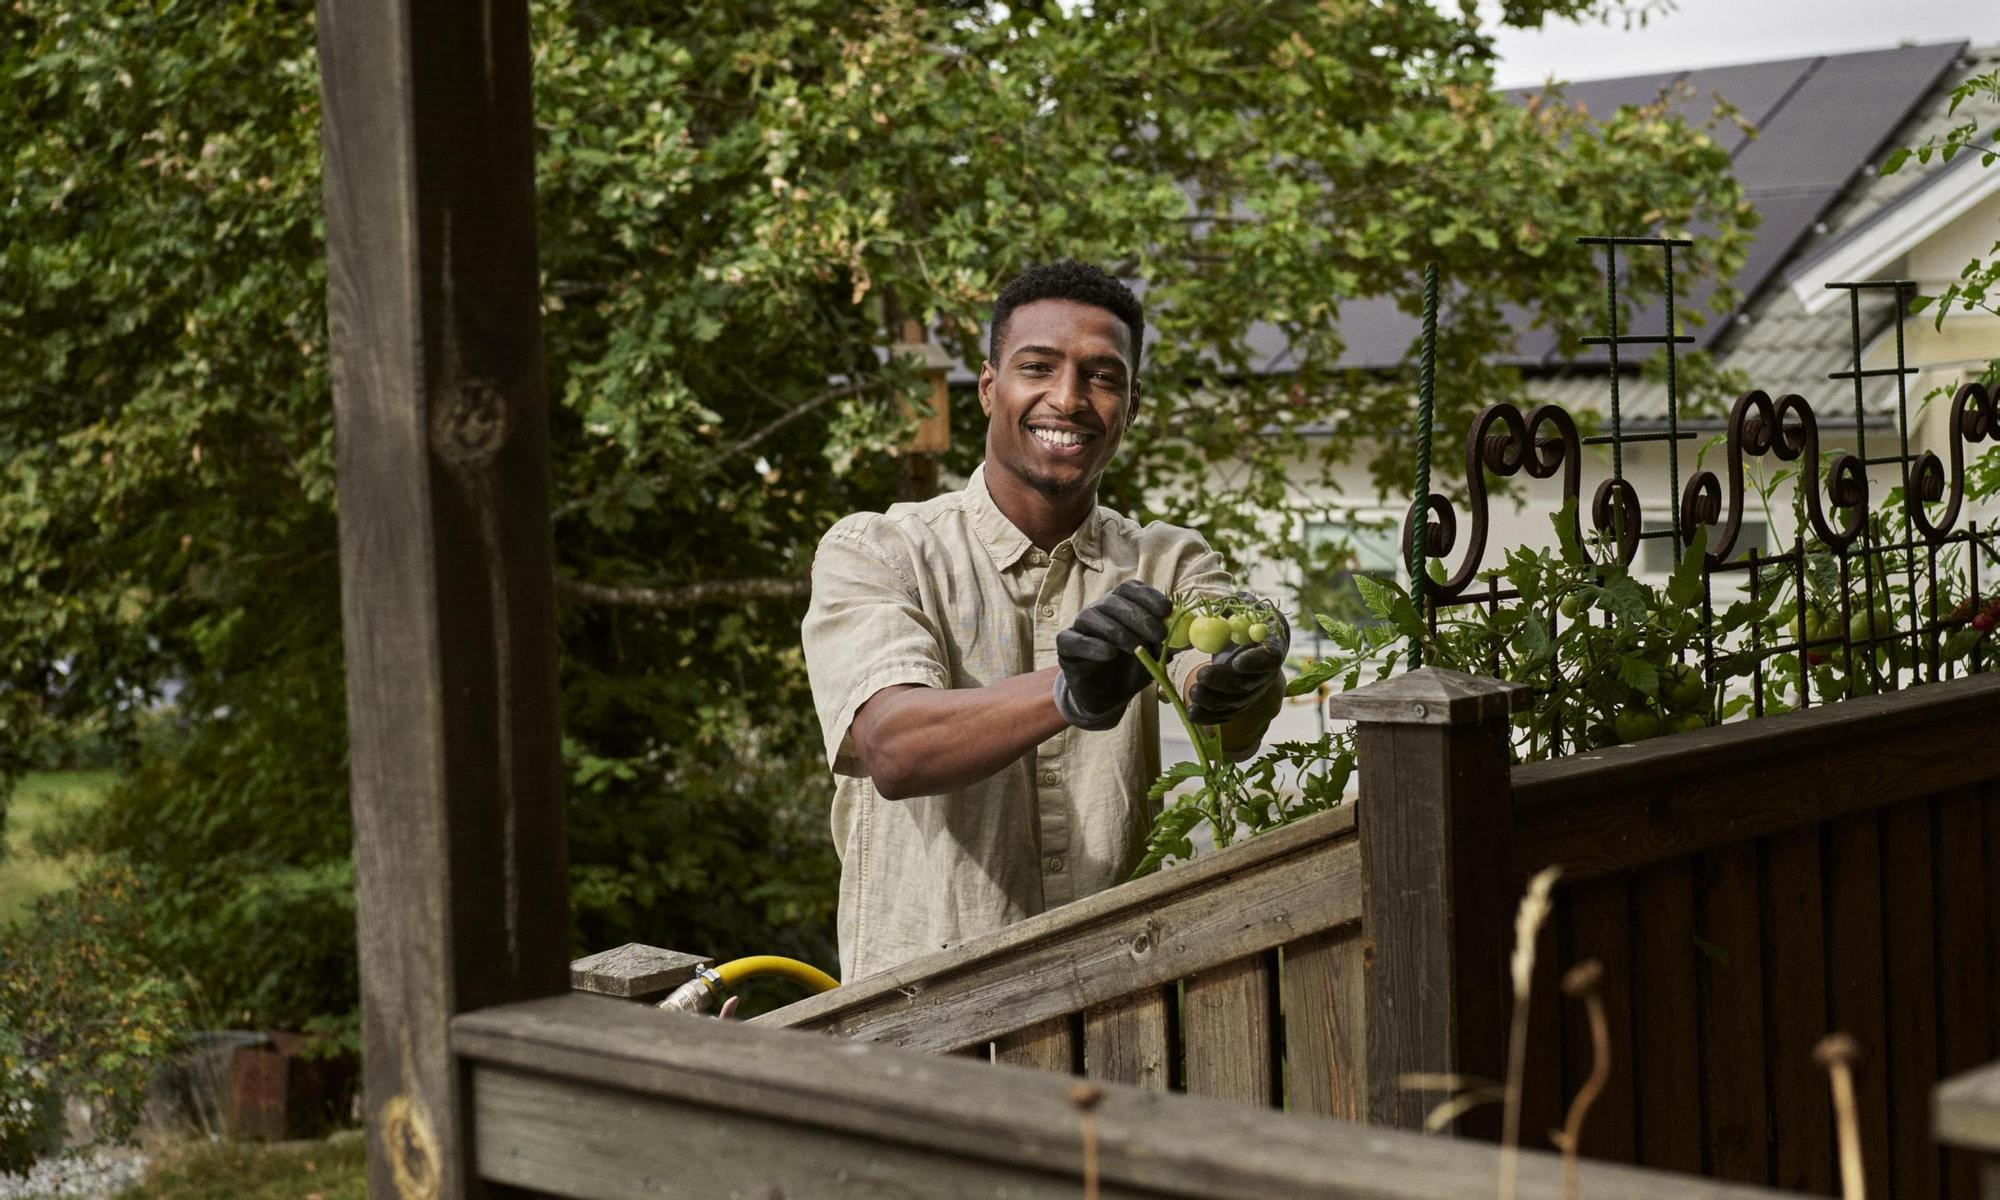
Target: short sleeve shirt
column 948, row 593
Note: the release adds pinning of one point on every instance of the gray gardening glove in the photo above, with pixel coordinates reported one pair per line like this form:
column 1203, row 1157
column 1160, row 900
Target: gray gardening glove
column 1238, row 675
column 1100, row 672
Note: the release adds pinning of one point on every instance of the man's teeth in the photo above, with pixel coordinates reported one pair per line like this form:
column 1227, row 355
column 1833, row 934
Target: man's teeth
column 1059, row 437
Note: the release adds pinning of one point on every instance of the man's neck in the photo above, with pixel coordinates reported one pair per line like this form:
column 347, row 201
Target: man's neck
column 1046, row 520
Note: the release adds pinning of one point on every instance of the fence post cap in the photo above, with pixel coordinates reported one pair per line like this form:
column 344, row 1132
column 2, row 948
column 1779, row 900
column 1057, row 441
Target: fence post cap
column 1431, row 696
column 634, row 970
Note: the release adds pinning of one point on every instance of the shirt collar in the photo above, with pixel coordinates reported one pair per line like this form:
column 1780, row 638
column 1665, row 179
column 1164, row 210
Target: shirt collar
column 1005, row 541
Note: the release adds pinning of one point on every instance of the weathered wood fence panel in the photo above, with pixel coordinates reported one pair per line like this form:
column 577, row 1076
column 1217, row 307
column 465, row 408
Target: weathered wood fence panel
column 1747, row 889
column 587, row 1097
column 1817, row 871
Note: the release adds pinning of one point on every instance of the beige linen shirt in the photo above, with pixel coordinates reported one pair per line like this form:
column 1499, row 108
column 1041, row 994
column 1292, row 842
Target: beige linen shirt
column 949, row 594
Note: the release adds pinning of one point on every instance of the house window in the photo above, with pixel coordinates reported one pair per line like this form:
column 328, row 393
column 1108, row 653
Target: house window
column 1337, row 551
column 1656, row 555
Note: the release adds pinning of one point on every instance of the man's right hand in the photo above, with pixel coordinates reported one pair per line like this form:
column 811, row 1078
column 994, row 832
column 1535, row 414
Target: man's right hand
column 1100, row 672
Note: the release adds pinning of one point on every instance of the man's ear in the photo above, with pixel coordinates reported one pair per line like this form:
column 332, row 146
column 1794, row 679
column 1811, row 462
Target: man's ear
column 1132, row 406
column 986, row 387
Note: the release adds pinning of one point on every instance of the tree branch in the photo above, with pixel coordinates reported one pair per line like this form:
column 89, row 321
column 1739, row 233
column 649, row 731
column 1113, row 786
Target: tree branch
column 687, row 595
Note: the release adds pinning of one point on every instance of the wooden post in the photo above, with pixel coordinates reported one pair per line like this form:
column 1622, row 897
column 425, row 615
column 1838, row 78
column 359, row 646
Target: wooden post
column 446, row 585
column 1435, row 821
column 635, row 971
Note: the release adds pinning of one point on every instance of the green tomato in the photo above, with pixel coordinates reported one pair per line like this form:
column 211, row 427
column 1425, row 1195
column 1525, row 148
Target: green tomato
column 1209, row 634
column 1239, row 622
column 1571, row 606
column 1258, row 632
column 1687, row 723
column 1864, row 625
column 1683, row 689
column 1635, row 725
column 1177, row 628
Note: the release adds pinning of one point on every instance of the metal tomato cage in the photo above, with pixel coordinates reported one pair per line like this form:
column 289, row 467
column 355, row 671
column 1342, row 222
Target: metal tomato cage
column 1833, row 488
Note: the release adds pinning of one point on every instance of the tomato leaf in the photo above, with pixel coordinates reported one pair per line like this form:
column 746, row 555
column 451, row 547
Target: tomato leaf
column 1389, row 603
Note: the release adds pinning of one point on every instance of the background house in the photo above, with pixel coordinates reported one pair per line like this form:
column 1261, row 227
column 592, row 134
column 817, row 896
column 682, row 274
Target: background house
column 1822, row 127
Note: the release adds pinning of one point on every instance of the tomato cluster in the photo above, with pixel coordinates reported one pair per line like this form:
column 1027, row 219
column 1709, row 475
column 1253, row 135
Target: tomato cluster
column 1208, row 623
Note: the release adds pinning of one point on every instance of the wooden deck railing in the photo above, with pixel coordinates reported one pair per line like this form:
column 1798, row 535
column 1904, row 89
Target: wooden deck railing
column 1748, row 889
column 587, row 1097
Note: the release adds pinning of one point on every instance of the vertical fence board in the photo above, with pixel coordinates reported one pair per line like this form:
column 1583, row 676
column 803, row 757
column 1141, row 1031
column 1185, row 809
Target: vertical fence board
column 1599, row 916
column 1795, row 942
column 1666, row 1034
column 1125, row 1040
column 1732, row 1014
column 1321, row 999
column 1852, row 871
column 1908, row 926
column 1226, row 1032
column 1963, row 982
column 1542, row 1097
column 1047, row 1046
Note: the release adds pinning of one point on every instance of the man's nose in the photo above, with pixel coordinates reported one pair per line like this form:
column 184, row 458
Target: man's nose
column 1073, row 395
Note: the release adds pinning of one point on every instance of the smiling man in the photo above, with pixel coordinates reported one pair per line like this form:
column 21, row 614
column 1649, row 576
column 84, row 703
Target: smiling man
column 991, row 732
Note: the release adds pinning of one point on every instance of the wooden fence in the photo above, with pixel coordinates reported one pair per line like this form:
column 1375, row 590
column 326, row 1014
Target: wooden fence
column 1748, row 888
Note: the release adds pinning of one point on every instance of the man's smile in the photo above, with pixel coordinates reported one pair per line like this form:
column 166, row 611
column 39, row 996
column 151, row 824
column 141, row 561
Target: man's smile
column 1061, row 439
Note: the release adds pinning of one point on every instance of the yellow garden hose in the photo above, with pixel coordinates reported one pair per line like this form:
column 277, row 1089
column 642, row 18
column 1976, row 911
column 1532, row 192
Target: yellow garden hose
column 694, row 995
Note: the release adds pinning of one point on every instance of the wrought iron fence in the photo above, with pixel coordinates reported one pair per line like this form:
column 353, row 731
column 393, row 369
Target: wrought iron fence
column 1910, row 562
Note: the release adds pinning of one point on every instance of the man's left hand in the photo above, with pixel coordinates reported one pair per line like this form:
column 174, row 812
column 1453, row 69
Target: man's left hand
column 1238, row 675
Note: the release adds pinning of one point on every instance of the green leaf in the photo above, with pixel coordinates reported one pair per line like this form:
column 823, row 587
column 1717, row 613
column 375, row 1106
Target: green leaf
column 1639, row 673
column 1389, row 603
column 1684, row 586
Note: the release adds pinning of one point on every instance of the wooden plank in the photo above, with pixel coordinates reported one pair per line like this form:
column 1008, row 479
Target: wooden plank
column 1321, row 1000
column 595, row 1098
column 1732, row 1013
column 1226, row 1033
column 1544, row 1100
column 1626, row 806
column 1254, row 896
column 1436, row 899
column 1666, row 1032
column 1046, row 1046
column 446, row 583
column 1967, row 1110
column 1598, row 915
column 1796, row 983
column 635, row 971
column 1856, row 992
column 1909, row 925
column 1125, row 1041
column 1965, row 910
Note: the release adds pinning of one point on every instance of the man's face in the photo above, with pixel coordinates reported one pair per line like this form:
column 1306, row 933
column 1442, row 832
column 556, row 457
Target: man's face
column 1060, row 396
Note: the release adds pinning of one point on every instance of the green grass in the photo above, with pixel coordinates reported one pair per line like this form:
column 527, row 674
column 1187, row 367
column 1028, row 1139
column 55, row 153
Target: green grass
column 40, row 802
column 336, row 1169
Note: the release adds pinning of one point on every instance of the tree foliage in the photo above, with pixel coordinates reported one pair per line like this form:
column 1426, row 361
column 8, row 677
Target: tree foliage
column 742, row 207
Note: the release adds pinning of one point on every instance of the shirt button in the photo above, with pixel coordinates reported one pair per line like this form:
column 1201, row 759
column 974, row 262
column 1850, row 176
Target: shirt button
column 1049, row 778
column 1037, row 557
column 1055, row 864
column 1048, row 610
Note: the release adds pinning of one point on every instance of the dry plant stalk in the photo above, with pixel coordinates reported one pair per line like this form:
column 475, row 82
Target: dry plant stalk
column 1528, row 921
column 1584, row 980
column 1084, row 1098
column 1838, row 1052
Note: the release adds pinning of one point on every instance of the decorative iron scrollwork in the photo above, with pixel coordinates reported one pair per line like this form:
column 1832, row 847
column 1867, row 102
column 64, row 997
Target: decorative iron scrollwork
column 1504, row 442
column 1789, row 431
column 1974, row 418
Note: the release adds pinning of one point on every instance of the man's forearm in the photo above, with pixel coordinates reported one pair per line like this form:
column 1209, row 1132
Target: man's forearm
column 920, row 741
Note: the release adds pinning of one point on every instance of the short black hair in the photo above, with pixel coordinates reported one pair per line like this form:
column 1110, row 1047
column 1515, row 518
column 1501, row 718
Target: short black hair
column 1068, row 280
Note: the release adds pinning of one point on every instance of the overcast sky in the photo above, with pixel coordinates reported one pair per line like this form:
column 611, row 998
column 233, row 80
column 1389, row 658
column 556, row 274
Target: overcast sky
column 1709, row 33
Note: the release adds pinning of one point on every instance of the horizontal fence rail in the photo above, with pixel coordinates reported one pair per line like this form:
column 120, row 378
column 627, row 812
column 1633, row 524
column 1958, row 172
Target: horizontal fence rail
column 1210, row 978
column 586, row 1097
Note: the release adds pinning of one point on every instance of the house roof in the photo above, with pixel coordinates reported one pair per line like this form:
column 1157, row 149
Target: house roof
column 1786, row 338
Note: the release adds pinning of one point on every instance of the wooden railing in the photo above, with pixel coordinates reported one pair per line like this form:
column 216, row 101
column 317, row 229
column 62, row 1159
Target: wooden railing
column 586, row 1097
column 1212, row 977
column 1748, row 889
